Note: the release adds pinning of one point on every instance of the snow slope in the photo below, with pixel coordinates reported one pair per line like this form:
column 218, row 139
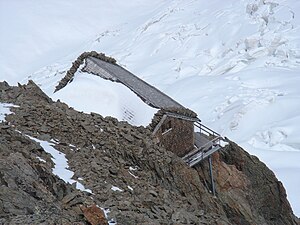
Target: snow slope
column 236, row 63
column 89, row 93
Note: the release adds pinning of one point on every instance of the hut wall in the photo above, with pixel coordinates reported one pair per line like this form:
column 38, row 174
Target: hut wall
column 177, row 136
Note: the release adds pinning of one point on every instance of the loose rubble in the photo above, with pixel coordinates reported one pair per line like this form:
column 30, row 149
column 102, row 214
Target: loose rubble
column 157, row 186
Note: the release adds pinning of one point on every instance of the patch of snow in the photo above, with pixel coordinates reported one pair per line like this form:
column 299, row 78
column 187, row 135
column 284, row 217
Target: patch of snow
column 42, row 160
column 133, row 168
column 60, row 164
column 130, row 188
column 106, row 212
column 72, row 146
column 133, row 175
column 80, row 186
column 114, row 188
column 223, row 143
column 55, row 141
column 5, row 110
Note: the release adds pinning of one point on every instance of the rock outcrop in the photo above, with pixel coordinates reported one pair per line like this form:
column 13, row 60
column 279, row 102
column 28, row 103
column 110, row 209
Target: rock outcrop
column 130, row 176
column 29, row 192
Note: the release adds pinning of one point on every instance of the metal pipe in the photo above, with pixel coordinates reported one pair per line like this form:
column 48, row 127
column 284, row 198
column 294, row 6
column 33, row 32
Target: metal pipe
column 206, row 128
column 211, row 176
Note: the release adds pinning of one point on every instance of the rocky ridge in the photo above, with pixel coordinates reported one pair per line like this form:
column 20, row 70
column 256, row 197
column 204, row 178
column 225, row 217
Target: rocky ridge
column 138, row 181
column 77, row 63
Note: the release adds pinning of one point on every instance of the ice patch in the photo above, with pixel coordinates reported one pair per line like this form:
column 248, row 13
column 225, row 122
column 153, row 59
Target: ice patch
column 133, row 175
column 223, row 143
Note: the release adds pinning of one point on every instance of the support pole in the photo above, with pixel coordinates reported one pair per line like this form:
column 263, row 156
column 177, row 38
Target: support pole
column 211, row 176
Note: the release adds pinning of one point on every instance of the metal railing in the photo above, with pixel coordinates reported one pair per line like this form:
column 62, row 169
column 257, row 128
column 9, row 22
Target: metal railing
column 210, row 144
column 206, row 129
column 204, row 148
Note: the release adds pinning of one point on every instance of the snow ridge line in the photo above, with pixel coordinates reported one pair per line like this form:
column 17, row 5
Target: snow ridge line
column 76, row 64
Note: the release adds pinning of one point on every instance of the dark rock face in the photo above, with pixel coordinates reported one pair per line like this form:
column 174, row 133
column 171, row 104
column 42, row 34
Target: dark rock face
column 248, row 191
column 29, row 192
column 138, row 181
column 266, row 196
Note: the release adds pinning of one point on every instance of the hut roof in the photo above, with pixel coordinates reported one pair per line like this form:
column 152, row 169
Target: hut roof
column 149, row 94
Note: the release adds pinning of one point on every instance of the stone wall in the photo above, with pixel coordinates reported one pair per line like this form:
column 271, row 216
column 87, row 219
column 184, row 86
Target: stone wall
column 180, row 137
column 176, row 135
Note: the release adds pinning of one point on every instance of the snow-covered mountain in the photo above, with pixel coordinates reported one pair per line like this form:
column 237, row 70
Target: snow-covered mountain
column 236, row 63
